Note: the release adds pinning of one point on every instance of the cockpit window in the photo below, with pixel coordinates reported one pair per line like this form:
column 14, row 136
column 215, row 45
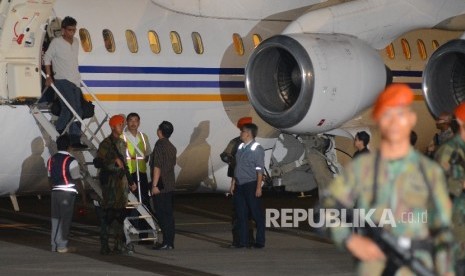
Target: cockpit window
column 86, row 42
column 109, row 40
column 198, row 44
column 176, row 42
column 132, row 41
column 154, row 42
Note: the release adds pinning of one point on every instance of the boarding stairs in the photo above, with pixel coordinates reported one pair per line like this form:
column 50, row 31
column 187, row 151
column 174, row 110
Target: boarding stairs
column 92, row 136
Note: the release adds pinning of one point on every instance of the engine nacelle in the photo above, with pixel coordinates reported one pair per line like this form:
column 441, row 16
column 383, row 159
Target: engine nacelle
column 312, row 83
column 444, row 78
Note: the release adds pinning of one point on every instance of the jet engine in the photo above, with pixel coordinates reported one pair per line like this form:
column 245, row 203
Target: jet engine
column 313, row 83
column 444, row 77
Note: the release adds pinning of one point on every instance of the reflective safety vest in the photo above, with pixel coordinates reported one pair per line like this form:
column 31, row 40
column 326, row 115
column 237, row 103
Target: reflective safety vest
column 253, row 147
column 58, row 169
column 132, row 154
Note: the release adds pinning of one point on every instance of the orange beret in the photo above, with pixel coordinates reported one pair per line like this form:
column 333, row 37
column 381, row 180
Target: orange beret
column 459, row 112
column 243, row 121
column 394, row 95
column 116, row 120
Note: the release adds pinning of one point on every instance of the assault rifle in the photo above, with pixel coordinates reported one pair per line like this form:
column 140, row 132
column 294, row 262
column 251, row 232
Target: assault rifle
column 397, row 253
column 456, row 159
column 125, row 165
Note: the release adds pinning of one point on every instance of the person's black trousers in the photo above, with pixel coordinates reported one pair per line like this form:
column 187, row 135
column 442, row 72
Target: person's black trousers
column 163, row 205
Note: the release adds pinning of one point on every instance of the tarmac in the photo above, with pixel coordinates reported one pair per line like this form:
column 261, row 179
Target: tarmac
column 203, row 233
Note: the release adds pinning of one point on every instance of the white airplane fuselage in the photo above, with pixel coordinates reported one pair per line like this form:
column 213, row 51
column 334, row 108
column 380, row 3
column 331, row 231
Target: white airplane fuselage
column 202, row 94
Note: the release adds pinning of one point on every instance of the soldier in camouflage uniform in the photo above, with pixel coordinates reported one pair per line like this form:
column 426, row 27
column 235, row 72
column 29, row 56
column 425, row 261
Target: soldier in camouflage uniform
column 444, row 125
column 114, row 185
column 451, row 157
column 398, row 179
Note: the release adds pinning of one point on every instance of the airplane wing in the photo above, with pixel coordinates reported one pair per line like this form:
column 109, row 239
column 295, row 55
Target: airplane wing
column 245, row 9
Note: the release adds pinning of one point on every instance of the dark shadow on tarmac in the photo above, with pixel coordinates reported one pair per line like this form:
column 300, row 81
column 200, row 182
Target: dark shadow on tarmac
column 216, row 207
column 37, row 235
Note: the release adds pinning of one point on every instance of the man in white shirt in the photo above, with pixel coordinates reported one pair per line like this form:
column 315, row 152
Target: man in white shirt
column 62, row 53
column 137, row 156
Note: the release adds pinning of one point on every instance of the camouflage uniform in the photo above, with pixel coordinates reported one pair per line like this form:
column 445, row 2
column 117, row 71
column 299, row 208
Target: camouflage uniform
column 439, row 139
column 114, row 192
column 401, row 188
column 229, row 155
column 451, row 157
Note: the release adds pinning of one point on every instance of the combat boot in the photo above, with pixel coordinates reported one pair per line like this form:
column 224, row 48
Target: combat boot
column 104, row 247
column 120, row 248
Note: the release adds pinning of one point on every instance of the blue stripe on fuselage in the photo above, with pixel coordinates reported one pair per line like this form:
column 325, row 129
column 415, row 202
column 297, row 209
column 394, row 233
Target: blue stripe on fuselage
column 173, row 84
column 187, row 71
column 193, row 71
column 397, row 73
column 414, row 85
column 160, row 70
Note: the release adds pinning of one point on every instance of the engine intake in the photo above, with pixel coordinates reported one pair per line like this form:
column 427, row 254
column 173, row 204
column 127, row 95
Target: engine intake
column 312, row 83
column 444, row 78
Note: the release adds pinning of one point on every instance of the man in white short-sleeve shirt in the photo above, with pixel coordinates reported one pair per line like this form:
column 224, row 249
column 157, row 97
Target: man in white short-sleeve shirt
column 62, row 54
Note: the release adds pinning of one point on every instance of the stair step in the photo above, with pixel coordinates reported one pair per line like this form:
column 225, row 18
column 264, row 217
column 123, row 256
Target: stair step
column 91, row 137
column 140, row 217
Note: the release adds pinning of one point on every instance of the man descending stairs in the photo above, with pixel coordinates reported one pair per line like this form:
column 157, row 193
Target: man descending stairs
column 92, row 137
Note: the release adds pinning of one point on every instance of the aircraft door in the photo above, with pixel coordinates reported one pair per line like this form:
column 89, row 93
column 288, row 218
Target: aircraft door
column 22, row 32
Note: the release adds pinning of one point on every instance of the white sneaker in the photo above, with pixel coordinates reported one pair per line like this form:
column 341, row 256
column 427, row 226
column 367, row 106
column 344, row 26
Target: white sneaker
column 67, row 250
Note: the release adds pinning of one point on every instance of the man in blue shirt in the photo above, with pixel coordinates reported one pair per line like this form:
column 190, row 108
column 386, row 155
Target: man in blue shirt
column 246, row 186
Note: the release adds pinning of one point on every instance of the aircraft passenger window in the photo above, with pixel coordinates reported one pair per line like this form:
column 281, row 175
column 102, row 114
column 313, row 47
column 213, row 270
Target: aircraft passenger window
column 390, row 51
column 435, row 44
column 406, row 48
column 238, row 44
column 198, row 44
column 176, row 42
column 422, row 49
column 154, row 42
column 132, row 41
column 86, row 43
column 108, row 40
column 257, row 39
